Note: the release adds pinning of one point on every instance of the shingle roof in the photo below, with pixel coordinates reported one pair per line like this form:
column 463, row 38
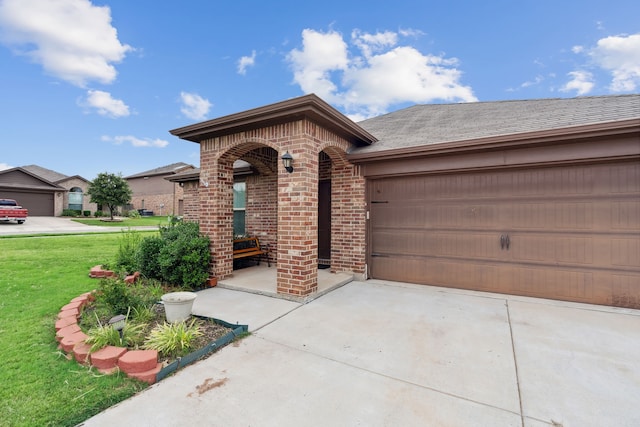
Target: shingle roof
column 47, row 174
column 436, row 123
column 163, row 170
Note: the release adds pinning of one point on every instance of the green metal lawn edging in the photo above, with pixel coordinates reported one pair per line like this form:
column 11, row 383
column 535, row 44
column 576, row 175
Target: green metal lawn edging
column 181, row 362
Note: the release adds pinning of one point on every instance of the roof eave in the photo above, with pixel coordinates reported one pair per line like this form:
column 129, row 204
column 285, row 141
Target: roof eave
column 618, row 127
column 307, row 106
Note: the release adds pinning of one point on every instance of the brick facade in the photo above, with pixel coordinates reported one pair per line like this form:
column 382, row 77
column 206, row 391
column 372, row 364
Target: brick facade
column 157, row 194
column 282, row 208
column 80, row 183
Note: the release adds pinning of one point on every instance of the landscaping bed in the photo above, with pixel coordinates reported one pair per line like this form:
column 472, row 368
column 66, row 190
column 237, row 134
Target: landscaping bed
column 147, row 350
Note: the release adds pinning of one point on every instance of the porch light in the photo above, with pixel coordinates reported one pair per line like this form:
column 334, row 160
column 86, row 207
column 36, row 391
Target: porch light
column 117, row 322
column 287, row 161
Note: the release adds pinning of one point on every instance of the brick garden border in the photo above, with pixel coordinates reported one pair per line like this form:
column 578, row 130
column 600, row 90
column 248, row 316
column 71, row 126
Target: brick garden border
column 139, row 364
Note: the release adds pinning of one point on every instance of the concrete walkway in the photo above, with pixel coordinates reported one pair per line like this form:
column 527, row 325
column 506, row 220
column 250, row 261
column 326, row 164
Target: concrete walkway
column 390, row 354
column 58, row 225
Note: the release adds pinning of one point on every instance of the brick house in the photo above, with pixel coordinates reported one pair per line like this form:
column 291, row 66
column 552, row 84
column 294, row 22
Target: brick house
column 538, row 198
column 152, row 191
column 45, row 192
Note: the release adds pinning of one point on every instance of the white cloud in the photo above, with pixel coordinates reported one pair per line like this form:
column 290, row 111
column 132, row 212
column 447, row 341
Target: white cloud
column 245, row 62
column 581, row 82
column 536, row 81
column 4, row 166
column 382, row 75
column 105, row 104
column 369, row 43
column 620, row 55
column 72, row 39
column 135, row 141
column 194, row 106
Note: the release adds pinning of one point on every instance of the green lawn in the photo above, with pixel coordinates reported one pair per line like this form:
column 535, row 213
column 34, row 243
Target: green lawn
column 126, row 222
column 38, row 386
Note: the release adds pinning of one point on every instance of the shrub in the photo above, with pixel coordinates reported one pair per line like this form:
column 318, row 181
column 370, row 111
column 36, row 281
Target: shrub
column 86, row 213
column 133, row 214
column 127, row 248
column 120, row 297
column 184, row 257
column 173, row 339
column 70, row 212
column 147, row 257
column 180, row 256
column 98, row 214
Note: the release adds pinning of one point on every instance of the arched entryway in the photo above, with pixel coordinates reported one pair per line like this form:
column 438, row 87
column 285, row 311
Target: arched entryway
column 282, row 205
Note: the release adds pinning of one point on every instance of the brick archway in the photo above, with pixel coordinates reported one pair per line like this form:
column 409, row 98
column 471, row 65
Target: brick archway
column 304, row 127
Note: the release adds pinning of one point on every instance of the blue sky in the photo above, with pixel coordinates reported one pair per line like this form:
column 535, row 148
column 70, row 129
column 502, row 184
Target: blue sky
column 95, row 86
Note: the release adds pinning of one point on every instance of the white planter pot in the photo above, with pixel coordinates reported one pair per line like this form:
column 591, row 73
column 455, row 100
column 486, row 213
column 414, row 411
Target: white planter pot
column 178, row 305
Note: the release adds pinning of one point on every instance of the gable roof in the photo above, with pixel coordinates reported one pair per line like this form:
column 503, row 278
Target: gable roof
column 422, row 125
column 21, row 178
column 307, row 106
column 171, row 169
column 48, row 174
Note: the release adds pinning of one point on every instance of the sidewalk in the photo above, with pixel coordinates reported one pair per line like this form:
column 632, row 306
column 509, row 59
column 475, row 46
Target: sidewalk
column 57, row 225
column 384, row 354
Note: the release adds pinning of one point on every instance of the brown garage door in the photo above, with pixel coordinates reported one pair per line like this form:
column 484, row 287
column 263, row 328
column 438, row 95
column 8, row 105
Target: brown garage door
column 569, row 233
column 38, row 204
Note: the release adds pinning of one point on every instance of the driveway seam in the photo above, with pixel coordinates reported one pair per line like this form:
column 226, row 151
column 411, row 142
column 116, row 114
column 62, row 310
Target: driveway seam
column 390, row 377
column 515, row 360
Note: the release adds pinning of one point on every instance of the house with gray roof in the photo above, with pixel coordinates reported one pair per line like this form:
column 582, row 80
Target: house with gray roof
column 535, row 197
column 45, row 192
column 152, row 192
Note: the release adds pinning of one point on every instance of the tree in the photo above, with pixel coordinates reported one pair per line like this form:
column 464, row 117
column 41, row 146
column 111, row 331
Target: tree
column 111, row 190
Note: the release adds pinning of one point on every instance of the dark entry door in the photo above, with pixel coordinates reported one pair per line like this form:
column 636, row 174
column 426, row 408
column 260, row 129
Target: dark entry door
column 324, row 220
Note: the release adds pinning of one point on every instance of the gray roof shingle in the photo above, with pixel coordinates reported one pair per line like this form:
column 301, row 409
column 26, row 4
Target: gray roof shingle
column 47, row 174
column 437, row 123
column 163, row 170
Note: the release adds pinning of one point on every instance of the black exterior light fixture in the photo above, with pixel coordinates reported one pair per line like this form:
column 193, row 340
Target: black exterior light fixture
column 287, row 161
column 117, row 322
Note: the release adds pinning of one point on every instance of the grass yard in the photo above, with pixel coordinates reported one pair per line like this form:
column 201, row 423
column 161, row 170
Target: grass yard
column 126, row 222
column 39, row 387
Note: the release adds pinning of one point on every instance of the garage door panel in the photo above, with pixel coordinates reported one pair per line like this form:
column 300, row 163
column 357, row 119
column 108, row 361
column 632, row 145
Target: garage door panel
column 574, row 231
column 427, row 243
column 38, row 204
column 625, row 252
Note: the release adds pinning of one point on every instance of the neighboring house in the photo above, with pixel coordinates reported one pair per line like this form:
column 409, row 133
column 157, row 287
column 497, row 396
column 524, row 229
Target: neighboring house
column 45, row 192
column 537, row 198
column 153, row 192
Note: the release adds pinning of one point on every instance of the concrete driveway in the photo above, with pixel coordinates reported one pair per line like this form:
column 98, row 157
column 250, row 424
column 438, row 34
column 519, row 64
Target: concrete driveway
column 391, row 354
column 53, row 225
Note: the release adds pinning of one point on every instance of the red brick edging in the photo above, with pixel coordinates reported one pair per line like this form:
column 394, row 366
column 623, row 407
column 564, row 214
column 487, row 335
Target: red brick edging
column 140, row 364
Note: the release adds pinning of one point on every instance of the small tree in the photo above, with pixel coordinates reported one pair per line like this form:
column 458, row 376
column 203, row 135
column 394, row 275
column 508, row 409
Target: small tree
column 111, row 190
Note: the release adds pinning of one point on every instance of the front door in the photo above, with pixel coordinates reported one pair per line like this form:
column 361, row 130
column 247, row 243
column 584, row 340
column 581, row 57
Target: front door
column 324, row 220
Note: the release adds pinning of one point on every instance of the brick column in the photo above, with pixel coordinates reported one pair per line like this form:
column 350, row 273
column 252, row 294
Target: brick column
column 348, row 219
column 216, row 211
column 298, row 220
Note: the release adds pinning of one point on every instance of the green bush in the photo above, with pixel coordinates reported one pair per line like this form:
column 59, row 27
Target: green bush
column 98, row 214
column 184, row 257
column 180, row 256
column 133, row 214
column 86, row 213
column 126, row 259
column 70, row 212
column 147, row 257
column 120, row 297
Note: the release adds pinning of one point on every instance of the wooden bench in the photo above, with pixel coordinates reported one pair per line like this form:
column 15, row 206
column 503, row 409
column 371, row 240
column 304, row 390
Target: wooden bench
column 250, row 247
